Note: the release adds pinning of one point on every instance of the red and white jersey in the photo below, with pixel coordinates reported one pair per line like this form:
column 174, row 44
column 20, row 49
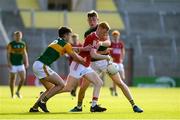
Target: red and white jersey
column 91, row 39
column 116, row 52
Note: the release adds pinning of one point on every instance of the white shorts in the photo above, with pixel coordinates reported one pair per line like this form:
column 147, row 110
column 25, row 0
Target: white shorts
column 41, row 70
column 17, row 68
column 77, row 70
column 101, row 66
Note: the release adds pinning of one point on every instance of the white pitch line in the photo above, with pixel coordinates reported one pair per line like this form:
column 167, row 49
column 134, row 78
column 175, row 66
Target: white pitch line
column 83, row 119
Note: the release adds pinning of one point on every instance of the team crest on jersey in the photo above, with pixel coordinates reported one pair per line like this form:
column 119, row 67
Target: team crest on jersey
column 54, row 42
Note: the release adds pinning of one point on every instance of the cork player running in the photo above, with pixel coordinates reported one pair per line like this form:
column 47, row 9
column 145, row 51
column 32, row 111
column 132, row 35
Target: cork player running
column 77, row 71
column 100, row 66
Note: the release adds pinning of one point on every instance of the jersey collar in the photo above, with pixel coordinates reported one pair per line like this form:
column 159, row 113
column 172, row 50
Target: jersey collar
column 96, row 35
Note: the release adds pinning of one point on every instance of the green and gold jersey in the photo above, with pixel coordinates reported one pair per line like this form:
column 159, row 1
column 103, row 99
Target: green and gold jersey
column 56, row 49
column 16, row 50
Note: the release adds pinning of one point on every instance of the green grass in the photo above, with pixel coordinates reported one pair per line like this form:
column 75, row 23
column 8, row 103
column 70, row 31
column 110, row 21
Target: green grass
column 158, row 103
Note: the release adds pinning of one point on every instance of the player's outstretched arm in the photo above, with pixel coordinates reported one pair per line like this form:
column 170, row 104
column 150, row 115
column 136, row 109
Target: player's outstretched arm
column 74, row 55
column 77, row 58
column 79, row 49
column 107, row 51
column 95, row 55
column 106, row 42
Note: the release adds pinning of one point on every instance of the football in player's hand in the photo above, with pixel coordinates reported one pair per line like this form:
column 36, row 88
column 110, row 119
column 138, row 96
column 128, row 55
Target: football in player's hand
column 112, row 68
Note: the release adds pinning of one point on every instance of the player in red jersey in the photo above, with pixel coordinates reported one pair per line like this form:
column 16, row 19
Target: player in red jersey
column 77, row 71
column 118, row 54
column 101, row 66
column 75, row 43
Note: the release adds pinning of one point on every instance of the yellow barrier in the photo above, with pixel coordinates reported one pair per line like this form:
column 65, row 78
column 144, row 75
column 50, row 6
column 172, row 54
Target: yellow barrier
column 105, row 5
column 76, row 20
column 28, row 4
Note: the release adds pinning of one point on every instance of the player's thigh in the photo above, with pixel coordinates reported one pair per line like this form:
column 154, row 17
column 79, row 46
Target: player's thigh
column 85, row 84
column 94, row 78
column 55, row 79
column 116, row 78
column 22, row 75
column 70, row 83
column 12, row 76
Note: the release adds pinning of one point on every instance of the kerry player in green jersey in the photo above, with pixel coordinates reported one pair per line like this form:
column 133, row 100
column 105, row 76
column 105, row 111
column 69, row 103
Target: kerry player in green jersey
column 17, row 62
column 49, row 78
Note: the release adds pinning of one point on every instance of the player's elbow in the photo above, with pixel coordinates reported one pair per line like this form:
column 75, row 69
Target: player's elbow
column 108, row 43
column 93, row 54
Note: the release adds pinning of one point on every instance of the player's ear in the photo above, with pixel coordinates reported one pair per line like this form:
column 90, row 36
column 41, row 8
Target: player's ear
column 97, row 19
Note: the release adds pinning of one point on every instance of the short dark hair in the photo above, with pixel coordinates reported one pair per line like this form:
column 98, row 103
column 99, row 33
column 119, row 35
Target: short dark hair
column 92, row 13
column 64, row 30
column 17, row 32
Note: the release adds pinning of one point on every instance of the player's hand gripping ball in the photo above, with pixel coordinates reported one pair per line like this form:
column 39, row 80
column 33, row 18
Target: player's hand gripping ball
column 112, row 68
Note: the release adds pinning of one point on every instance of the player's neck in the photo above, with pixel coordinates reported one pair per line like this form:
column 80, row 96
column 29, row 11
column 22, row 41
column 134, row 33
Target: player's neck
column 17, row 40
column 116, row 41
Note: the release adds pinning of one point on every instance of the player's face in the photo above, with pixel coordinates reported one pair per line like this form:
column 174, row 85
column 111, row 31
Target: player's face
column 116, row 37
column 102, row 33
column 68, row 37
column 74, row 40
column 92, row 21
column 18, row 36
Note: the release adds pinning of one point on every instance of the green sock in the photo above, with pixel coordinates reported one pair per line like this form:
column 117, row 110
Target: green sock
column 45, row 99
column 79, row 104
column 35, row 106
column 132, row 102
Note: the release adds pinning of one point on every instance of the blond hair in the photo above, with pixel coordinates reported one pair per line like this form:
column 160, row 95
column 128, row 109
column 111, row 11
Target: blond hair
column 115, row 33
column 104, row 25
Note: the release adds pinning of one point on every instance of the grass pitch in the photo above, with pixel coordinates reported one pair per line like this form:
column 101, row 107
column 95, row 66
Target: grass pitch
column 158, row 104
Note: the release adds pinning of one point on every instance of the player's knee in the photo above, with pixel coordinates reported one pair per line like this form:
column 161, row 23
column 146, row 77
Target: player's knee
column 60, row 85
column 12, row 78
column 69, row 89
column 99, row 83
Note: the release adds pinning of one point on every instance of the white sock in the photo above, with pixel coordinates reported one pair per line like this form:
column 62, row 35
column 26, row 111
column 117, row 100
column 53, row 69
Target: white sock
column 94, row 103
column 79, row 107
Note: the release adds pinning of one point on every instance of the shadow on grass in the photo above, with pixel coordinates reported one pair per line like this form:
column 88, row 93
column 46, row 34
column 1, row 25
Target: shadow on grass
column 42, row 113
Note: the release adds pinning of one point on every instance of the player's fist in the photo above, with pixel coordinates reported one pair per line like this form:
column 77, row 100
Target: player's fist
column 87, row 48
column 108, row 58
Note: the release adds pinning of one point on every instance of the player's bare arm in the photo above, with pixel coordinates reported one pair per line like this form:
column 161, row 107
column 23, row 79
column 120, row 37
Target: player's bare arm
column 8, row 56
column 77, row 58
column 26, row 60
column 95, row 55
column 106, row 41
column 107, row 51
column 79, row 49
column 123, row 54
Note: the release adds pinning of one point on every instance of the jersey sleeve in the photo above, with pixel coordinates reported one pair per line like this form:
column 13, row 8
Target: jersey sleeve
column 122, row 43
column 68, row 48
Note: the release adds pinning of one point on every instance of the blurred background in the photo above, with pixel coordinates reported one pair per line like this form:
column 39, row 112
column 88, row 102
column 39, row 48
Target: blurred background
column 149, row 28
